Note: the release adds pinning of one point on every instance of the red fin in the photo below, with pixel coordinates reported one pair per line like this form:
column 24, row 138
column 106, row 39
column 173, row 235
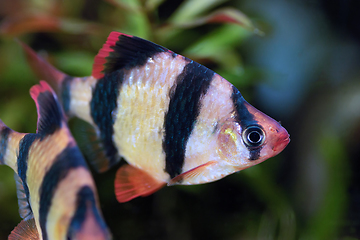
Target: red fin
column 25, row 230
column 50, row 114
column 100, row 58
column 123, row 51
column 42, row 68
column 192, row 173
column 131, row 182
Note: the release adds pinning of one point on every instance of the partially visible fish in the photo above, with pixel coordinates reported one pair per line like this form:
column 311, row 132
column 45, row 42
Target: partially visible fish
column 56, row 192
column 172, row 119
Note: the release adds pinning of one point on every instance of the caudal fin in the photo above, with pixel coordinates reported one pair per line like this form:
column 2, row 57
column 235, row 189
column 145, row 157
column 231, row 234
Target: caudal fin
column 50, row 113
column 42, row 68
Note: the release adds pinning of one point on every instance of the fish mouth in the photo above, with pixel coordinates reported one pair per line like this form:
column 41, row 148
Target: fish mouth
column 282, row 143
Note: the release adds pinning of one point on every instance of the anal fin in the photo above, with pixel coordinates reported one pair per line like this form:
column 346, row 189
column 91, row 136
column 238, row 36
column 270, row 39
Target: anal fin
column 25, row 230
column 24, row 206
column 190, row 176
column 132, row 182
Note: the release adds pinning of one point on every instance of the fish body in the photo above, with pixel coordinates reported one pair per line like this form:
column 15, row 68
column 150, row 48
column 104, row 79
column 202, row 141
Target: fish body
column 172, row 119
column 56, row 192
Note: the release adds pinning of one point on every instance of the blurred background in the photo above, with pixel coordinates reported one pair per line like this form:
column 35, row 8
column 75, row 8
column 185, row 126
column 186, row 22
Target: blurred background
column 296, row 60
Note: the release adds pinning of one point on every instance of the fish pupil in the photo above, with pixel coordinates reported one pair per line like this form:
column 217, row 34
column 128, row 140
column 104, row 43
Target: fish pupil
column 254, row 136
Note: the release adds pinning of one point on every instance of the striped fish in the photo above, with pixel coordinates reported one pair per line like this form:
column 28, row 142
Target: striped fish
column 56, row 192
column 173, row 120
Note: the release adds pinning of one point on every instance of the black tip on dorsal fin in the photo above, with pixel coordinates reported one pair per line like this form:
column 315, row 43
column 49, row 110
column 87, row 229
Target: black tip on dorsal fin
column 123, row 51
column 50, row 113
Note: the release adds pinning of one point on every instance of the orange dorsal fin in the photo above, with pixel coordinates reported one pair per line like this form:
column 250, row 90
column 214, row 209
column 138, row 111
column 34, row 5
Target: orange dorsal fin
column 42, row 68
column 123, row 51
column 25, row 230
column 132, row 182
column 196, row 172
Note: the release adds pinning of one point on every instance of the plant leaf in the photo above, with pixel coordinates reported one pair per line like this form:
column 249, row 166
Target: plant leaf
column 224, row 15
column 190, row 9
column 15, row 26
column 214, row 42
column 151, row 5
column 128, row 5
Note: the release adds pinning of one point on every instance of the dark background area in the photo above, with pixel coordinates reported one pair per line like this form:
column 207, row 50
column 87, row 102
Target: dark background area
column 299, row 65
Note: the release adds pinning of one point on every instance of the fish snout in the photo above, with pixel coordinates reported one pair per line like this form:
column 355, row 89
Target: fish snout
column 283, row 139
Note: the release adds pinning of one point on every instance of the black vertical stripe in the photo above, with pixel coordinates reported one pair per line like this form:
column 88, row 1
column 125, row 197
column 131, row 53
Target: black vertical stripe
column 102, row 105
column 242, row 114
column 254, row 154
column 65, row 93
column 68, row 159
column 85, row 201
column 4, row 137
column 22, row 159
column 184, row 108
column 245, row 118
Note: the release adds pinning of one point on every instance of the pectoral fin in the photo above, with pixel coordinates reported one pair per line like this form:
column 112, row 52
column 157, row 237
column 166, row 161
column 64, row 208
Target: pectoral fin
column 132, row 182
column 189, row 177
column 25, row 230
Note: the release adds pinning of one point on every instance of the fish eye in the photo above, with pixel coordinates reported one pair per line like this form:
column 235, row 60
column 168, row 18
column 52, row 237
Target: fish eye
column 253, row 136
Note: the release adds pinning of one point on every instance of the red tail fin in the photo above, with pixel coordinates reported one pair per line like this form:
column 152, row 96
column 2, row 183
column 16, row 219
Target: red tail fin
column 42, row 68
